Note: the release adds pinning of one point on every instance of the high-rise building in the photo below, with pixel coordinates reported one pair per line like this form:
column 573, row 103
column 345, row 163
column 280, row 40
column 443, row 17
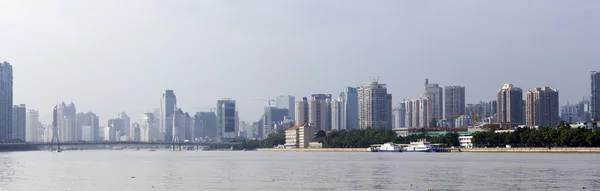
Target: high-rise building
column 413, row 113
column 126, row 125
column 578, row 112
column 148, row 128
column 226, row 119
column 178, row 126
column 319, row 111
column 302, row 115
column 409, row 113
column 32, row 124
column 79, row 123
column 595, row 99
column 373, row 106
column 287, row 102
column 336, row 115
column 86, row 133
column 510, row 105
column 168, row 105
column 455, row 102
column 426, row 116
column 400, row 116
column 205, row 125
column 134, row 132
column 6, row 100
column 93, row 121
column 349, row 116
column 542, row 107
column 272, row 116
column 66, row 116
column 116, row 126
column 434, row 93
column 189, row 130
column 19, row 113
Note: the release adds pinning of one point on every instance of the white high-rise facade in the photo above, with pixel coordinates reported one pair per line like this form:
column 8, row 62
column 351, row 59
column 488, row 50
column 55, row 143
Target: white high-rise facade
column 148, row 128
column 32, row 126
column 6, row 100
column 65, row 119
column 373, row 106
column 336, row 115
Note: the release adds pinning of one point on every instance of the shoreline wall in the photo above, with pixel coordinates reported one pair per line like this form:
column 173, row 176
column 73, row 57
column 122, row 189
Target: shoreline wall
column 535, row 150
column 315, row 150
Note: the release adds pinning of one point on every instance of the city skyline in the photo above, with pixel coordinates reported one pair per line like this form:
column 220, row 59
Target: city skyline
column 419, row 38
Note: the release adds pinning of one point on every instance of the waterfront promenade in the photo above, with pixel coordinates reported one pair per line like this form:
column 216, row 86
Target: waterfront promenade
column 473, row 150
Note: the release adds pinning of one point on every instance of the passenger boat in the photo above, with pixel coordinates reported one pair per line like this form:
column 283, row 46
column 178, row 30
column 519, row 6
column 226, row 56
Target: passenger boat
column 422, row 146
column 389, row 147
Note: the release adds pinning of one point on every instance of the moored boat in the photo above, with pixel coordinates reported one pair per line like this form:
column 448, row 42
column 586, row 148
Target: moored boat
column 389, row 147
column 422, row 146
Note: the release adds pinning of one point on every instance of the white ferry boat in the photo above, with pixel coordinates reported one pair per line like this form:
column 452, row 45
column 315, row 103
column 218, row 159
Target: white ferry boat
column 421, row 146
column 389, row 147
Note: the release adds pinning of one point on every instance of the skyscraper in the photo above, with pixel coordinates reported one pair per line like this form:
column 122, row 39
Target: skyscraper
column 400, row 116
column 205, row 124
column 455, row 102
column 336, row 115
column 126, row 125
column 272, row 116
column 116, row 126
column 319, row 111
column 510, row 105
column 595, row 99
column 79, row 123
column 92, row 120
column 226, row 119
column 179, row 124
column 18, row 122
column 32, row 124
column 426, row 118
column 66, row 116
column 349, row 116
column 6, row 100
column 135, row 133
column 168, row 105
column 302, row 116
column 542, row 107
column 287, row 102
column 434, row 93
column 373, row 106
column 148, row 128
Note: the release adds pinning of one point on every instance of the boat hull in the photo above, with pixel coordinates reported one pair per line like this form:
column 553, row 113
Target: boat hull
column 419, row 151
column 390, row 151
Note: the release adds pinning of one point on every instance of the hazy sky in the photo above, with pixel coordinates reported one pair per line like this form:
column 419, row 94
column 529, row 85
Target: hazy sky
column 120, row 55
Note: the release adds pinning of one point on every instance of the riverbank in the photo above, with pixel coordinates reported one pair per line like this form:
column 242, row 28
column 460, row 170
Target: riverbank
column 535, row 150
column 314, row 150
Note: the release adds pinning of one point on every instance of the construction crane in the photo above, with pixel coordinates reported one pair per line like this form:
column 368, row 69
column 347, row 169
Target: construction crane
column 268, row 100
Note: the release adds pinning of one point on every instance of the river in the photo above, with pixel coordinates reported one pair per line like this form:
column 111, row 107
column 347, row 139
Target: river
column 235, row 170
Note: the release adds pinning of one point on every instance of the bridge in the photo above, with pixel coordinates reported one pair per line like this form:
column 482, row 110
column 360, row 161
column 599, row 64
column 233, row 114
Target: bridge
column 74, row 143
column 174, row 145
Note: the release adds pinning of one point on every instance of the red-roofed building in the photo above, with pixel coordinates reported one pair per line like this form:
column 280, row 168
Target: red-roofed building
column 298, row 136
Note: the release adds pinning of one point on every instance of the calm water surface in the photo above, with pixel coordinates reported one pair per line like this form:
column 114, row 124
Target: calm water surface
column 221, row 170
